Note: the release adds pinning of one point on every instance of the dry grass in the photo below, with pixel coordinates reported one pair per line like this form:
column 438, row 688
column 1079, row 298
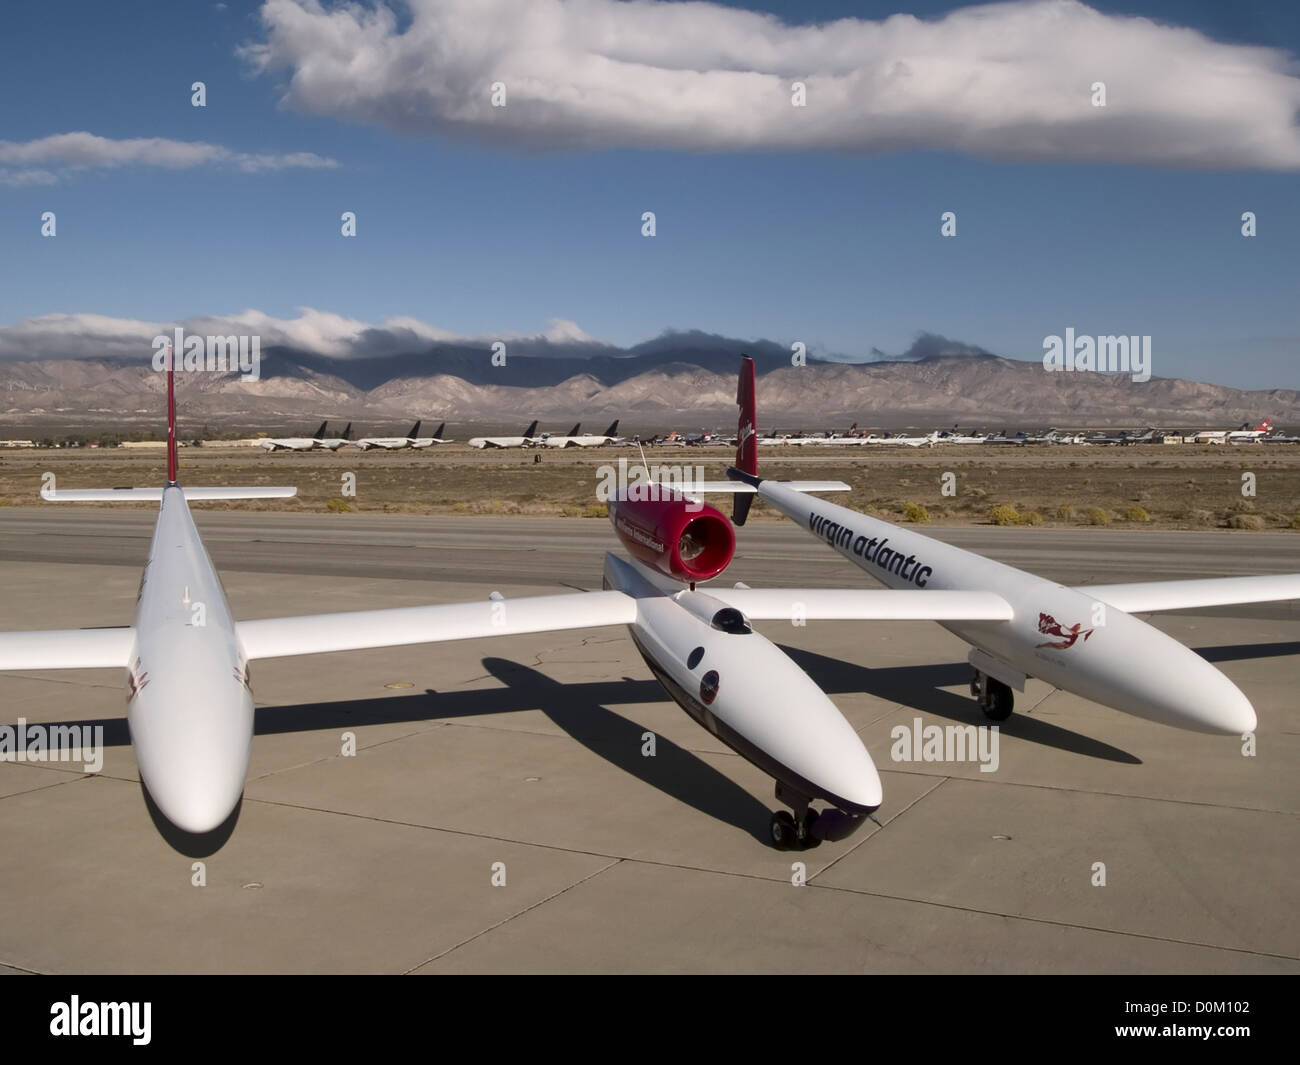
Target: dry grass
column 1191, row 488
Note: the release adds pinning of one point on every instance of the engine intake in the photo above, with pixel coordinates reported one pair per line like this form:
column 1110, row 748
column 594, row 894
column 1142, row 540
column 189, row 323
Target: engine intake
column 682, row 539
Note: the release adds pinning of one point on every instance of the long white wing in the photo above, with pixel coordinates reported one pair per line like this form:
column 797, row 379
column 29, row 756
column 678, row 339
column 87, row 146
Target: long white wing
column 1147, row 596
column 66, row 649
column 869, row 604
column 355, row 630
column 696, row 488
column 139, row 495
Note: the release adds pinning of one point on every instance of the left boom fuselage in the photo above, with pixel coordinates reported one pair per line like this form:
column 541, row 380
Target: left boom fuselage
column 190, row 707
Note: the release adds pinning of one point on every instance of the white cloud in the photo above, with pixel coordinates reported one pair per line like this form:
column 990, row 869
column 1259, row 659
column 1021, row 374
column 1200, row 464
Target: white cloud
column 21, row 178
column 78, row 150
column 84, row 336
column 1005, row 81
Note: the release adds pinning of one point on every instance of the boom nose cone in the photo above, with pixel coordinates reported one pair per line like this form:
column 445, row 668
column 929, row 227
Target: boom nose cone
column 195, row 795
column 1230, row 712
column 195, row 809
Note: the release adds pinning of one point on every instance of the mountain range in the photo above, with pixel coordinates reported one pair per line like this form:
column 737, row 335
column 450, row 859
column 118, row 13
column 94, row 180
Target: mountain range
column 682, row 380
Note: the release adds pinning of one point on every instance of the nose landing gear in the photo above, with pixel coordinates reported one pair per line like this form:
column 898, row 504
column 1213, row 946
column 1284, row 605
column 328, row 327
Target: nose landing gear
column 805, row 828
column 996, row 699
column 789, row 834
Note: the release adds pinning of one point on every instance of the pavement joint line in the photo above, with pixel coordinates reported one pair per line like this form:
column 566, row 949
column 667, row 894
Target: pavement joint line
column 71, row 779
column 511, row 917
column 432, row 727
column 431, row 828
column 1053, row 923
column 697, row 751
column 762, row 878
column 63, row 678
column 880, row 827
column 1109, row 794
column 23, row 969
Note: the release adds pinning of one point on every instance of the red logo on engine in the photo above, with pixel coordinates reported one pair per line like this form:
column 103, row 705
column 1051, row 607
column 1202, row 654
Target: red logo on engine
column 1049, row 626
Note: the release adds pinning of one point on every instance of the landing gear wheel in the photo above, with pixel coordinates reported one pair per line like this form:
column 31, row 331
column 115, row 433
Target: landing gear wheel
column 807, row 839
column 784, row 833
column 998, row 702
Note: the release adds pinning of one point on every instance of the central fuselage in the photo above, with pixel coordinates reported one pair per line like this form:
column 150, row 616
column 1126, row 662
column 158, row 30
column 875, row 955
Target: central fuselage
column 190, row 707
column 1058, row 634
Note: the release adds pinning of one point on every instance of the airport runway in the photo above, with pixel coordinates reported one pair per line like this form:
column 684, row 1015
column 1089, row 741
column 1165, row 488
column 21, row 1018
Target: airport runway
column 528, row 752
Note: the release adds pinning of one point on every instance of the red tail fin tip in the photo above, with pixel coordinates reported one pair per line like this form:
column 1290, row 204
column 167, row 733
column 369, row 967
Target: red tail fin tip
column 746, row 429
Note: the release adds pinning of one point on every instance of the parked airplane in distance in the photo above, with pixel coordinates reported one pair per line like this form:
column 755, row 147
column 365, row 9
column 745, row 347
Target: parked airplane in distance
column 527, row 440
column 955, row 436
column 555, row 439
column 295, row 443
column 334, row 443
column 413, row 439
column 1244, row 435
column 1125, row 437
column 1084, row 640
column 574, row 439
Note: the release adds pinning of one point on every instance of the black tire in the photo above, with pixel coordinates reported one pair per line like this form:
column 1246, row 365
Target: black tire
column 1002, row 701
column 782, row 830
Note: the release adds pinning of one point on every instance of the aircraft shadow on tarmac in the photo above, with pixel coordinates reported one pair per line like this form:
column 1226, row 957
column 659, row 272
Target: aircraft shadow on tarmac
column 921, row 688
column 574, row 708
column 579, row 710
column 1243, row 651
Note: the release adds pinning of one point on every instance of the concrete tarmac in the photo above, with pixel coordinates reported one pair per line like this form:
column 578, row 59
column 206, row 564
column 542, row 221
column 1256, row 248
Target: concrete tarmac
column 522, row 759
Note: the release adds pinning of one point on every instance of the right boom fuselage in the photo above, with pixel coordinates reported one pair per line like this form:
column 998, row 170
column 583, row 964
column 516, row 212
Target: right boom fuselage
column 1058, row 634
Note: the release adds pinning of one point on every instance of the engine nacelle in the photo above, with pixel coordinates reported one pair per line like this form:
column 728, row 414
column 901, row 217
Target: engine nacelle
column 682, row 539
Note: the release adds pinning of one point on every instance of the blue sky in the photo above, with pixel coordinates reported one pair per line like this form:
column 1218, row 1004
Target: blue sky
column 838, row 248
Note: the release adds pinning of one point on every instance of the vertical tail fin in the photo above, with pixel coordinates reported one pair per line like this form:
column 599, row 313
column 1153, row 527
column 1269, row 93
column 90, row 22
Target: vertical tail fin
column 437, row 433
column 575, row 430
column 613, row 428
column 530, row 431
column 347, row 433
column 746, row 436
column 171, row 416
column 415, row 431
column 320, row 433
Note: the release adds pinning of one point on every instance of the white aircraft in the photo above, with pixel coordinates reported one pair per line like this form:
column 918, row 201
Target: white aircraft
column 953, row 436
column 574, row 439
column 335, row 442
column 526, row 440
column 295, row 443
column 1084, row 640
column 1251, row 436
column 1244, row 435
column 413, row 439
column 555, row 439
column 904, row 441
column 190, row 703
